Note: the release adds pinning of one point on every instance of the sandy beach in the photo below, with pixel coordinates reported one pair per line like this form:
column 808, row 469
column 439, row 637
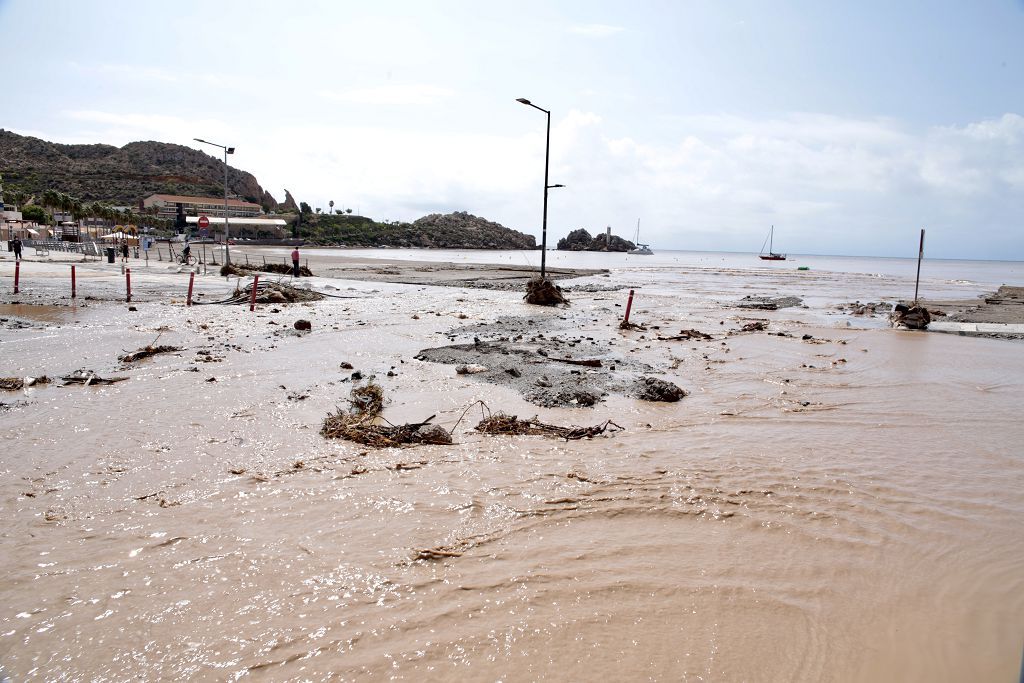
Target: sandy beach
column 833, row 500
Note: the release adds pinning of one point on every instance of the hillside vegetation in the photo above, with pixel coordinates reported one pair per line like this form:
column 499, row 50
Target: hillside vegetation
column 120, row 175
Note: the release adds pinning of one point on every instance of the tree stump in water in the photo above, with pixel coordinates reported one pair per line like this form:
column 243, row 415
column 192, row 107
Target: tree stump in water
column 544, row 292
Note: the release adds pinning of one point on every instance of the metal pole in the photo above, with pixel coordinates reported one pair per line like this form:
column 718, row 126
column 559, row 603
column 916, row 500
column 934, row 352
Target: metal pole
column 544, row 226
column 920, row 254
column 227, row 230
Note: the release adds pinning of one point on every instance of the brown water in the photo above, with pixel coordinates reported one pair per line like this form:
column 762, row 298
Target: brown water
column 812, row 511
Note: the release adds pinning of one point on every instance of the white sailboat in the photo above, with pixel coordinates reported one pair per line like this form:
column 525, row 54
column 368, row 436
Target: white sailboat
column 771, row 255
column 640, row 249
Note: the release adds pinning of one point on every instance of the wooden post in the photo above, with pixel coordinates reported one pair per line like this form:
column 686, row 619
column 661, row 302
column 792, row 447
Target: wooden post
column 73, row 293
column 920, row 254
column 252, row 299
column 128, row 283
column 191, row 280
column 629, row 306
column 17, row 275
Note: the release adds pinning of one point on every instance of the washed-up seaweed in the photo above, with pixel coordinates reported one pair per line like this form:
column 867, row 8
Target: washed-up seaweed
column 362, row 423
column 88, row 377
column 544, row 292
column 146, row 352
column 502, row 424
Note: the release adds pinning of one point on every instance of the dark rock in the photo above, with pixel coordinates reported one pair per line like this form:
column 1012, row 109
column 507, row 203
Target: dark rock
column 654, row 389
column 303, row 325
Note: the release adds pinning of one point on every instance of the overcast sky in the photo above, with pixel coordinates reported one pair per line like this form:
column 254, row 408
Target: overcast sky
column 847, row 125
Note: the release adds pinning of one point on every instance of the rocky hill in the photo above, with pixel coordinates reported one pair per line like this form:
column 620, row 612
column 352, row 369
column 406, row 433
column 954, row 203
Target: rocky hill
column 120, row 175
column 459, row 230
column 580, row 240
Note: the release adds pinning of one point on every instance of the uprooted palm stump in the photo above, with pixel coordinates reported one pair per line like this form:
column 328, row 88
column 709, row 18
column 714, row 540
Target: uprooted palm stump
column 544, row 292
column 911, row 317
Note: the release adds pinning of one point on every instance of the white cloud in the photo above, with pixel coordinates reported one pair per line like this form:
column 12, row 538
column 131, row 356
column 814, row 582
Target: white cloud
column 835, row 185
column 595, row 30
column 390, row 94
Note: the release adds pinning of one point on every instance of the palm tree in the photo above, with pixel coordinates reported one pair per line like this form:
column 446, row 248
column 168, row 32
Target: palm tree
column 331, row 204
column 51, row 199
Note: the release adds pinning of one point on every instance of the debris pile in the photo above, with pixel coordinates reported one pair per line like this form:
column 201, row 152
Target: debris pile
column 273, row 293
column 502, row 424
column 146, row 352
column 11, row 383
column 88, row 377
column 248, row 269
column 361, row 423
column 686, row 335
column 755, row 326
column 544, row 292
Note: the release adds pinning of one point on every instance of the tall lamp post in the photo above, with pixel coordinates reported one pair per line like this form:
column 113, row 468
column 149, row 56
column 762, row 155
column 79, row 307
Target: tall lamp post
column 547, row 155
column 227, row 230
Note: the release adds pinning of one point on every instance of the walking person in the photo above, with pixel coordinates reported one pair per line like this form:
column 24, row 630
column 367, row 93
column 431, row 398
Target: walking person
column 124, row 251
column 295, row 262
column 16, row 244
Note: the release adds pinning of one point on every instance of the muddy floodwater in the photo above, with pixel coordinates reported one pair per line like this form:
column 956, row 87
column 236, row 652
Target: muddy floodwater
column 833, row 500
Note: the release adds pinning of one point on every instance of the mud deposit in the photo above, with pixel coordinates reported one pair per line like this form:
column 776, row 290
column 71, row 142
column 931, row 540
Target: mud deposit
column 542, row 359
column 834, row 500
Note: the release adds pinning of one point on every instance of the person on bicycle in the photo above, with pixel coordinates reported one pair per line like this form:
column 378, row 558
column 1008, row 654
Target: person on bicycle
column 186, row 252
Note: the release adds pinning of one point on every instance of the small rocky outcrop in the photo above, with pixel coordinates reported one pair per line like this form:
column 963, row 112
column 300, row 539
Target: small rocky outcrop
column 581, row 240
column 463, row 230
column 289, row 204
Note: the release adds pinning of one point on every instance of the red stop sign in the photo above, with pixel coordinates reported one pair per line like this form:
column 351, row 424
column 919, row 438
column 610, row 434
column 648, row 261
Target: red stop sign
column 204, row 222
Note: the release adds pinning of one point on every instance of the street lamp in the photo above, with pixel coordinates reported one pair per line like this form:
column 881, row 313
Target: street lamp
column 227, row 230
column 547, row 151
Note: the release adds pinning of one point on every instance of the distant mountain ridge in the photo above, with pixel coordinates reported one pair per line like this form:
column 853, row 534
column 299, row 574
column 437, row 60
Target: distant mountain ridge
column 120, row 175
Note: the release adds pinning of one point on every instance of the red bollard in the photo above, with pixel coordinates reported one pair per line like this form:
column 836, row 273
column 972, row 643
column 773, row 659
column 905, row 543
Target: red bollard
column 629, row 305
column 191, row 279
column 17, row 275
column 128, row 283
column 252, row 300
column 73, row 282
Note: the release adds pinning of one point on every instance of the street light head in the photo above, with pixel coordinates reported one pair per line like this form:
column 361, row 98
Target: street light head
column 557, row 185
column 231, row 150
column 523, row 100
column 201, row 140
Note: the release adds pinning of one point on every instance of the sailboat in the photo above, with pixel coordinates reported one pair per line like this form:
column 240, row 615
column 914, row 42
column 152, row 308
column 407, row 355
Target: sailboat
column 640, row 249
column 771, row 255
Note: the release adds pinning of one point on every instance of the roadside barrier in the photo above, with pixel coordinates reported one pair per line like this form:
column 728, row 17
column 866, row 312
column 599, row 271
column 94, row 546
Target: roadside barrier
column 128, row 283
column 73, row 293
column 191, row 281
column 17, row 275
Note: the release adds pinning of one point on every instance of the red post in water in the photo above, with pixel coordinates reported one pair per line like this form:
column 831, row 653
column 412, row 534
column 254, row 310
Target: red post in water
column 629, row 305
column 73, row 282
column 252, row 299
column 191, row 280
column 128, row 283
column 17, row 275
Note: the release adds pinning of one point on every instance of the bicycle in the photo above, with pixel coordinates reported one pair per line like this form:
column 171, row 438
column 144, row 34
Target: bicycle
column 189, row 260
